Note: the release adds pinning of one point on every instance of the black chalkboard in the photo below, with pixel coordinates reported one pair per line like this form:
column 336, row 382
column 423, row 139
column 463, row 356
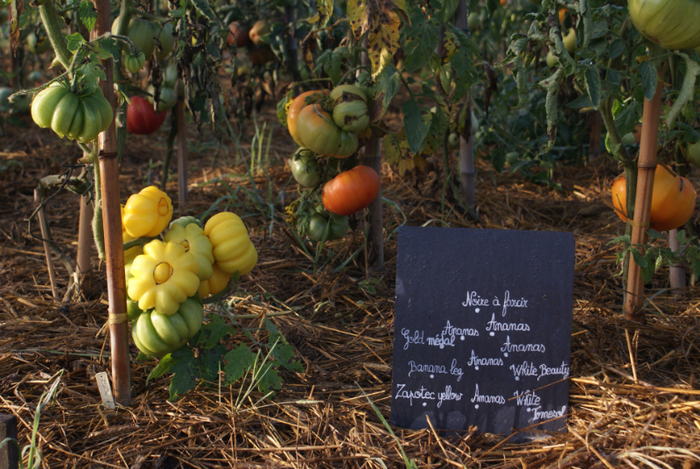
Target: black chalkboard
column 482, row 330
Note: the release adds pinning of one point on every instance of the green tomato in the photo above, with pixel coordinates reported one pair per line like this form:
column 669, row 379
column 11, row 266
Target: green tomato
column 673, row 24
column 134, row 63
column 333, row 227
column 132, row 309
column 79, row 118
column 166, row 38
column 570, row 40
column 166, row 100
column 157, row 334
column 351, row 116
column 141, row 32
column 37, row 45
column 551, row 59
column 305, row 168
column 693, row 154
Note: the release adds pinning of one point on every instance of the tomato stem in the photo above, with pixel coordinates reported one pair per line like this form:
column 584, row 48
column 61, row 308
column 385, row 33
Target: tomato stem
column 50, row 19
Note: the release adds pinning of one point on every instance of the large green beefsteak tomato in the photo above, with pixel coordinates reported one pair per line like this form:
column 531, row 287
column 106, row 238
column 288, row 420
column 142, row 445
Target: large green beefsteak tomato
column 673, row 24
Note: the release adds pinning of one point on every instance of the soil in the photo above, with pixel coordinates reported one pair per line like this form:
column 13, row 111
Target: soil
column 633, row 397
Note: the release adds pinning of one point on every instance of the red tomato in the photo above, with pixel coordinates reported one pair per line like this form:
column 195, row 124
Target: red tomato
column 141, row 119
column 238, row 34
column 351, row 191
column 672, row 200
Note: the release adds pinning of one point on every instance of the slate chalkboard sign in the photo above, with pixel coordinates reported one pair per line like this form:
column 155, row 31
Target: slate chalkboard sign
column 482, row 330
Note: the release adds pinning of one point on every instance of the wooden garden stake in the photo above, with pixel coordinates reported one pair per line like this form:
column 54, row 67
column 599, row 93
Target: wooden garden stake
column 9, row 456
column 113, row 240
column 634, row 299
column 47, row 248
column 181, row 152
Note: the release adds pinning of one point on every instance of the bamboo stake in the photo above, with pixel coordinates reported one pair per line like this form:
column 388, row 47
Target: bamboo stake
column 47, row 249
column 634, row 299
column 112, row 222
column 466, row 141
column 181, row 153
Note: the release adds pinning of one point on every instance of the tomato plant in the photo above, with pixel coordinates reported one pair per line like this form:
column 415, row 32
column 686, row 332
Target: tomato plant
column 672, row 203
column 141, row 118
column 351, row 191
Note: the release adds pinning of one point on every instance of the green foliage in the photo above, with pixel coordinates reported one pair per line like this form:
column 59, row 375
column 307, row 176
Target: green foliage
column 655, row 254
column 205, row 356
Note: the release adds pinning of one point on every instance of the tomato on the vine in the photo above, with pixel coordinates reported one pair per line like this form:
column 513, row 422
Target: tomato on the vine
column 317, row 131
column 672, row 24
column 672, row 201
column 260, row 28
column 305, row 168
column 295, row 108
column 238, row 33
column 333, row 227
column 141, row 119
column 78, row 117
column 351, row 191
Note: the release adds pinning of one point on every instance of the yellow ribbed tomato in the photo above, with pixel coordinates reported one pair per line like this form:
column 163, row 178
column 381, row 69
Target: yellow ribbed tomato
column 672, row 201
column 233, row 250
column 163, row 277
column 192, row 238
column 214, row 284
column 147, row 213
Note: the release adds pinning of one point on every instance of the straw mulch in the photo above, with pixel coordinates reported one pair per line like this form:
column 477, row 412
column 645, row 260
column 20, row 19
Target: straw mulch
column 634, row 399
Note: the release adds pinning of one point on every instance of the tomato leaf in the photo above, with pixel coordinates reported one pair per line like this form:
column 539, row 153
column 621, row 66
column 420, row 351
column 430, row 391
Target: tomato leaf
column 163, row 367
column 325, row 11
column 397, row 153
column 379, row 19
column 203, row 7
column 388, row 86
column 74, row 41
column 269, row 379
column 88, row 14
column 592, row 81
column 649, row 77
column 416, row 120
column 185, row 373
column 421, row 41
column 239, row 361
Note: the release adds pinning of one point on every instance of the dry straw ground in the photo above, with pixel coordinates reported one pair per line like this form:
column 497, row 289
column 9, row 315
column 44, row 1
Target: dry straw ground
column 634, row 401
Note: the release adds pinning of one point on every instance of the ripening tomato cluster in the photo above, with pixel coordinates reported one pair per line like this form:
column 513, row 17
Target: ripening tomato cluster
column 672, row 200
column 169, row 273
column 328, row 124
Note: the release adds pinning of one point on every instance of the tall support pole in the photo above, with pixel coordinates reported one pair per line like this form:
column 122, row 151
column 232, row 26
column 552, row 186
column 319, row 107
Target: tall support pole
column 634, row 298
column 112, row 224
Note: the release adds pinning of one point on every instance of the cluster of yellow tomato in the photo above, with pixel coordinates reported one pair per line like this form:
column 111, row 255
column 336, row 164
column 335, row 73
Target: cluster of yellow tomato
column 168, row 276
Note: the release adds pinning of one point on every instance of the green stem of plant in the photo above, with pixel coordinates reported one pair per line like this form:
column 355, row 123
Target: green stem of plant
column 97, row 228
column 51, row 21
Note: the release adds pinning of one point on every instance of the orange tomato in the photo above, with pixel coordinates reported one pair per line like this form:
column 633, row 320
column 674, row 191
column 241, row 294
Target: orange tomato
column 294, row 110
column 562, row 14
column 672, row 201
